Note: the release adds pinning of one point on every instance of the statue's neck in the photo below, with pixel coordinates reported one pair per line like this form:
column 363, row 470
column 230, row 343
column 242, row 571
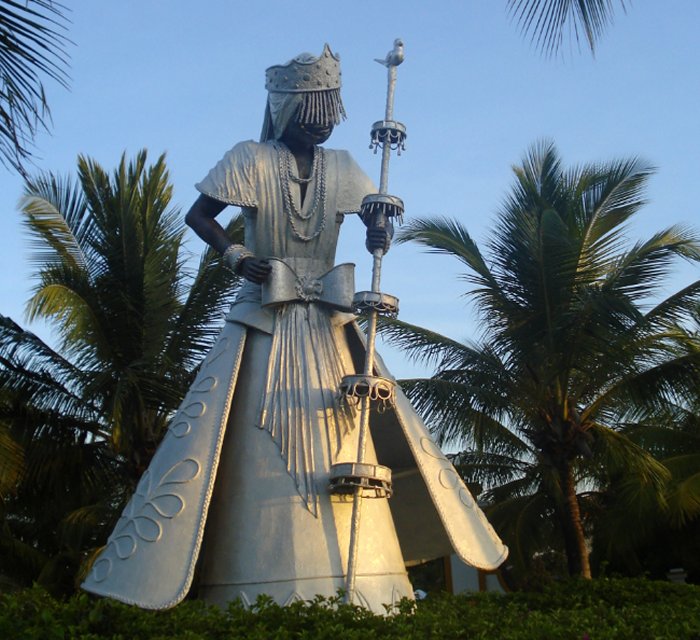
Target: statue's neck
column 304, row 157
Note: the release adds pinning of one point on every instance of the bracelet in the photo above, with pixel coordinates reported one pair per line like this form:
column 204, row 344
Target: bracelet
column 234, row 255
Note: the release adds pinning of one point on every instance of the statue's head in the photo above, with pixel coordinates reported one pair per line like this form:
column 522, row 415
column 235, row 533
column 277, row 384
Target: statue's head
column 304, row 92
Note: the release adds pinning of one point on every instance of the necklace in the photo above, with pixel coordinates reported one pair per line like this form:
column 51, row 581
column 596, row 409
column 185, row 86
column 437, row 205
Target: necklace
column 318, row 169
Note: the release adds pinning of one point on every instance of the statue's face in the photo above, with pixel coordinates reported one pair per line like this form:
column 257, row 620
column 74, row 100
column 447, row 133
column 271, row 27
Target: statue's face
column 307, row 134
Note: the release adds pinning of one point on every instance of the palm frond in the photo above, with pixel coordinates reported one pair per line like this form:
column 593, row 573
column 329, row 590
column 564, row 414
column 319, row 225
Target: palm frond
column 55, row 218
column 606, row 196
column 449, row 237
column 37, row 378
column 19, row 559
column 33, row 44
column 650, row 390
column 638, row 272
column 524, row 522
column 454, row 416
column 491, row 469
column 420, row 344
column 69, row 302
column 616, row 455
column 677, row 308
column 11, row 460
column 664, row 439
column 210, row 294
column 547, row 22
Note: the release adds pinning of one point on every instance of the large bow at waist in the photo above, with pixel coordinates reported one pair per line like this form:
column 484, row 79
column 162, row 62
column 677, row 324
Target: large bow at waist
column 334, row 288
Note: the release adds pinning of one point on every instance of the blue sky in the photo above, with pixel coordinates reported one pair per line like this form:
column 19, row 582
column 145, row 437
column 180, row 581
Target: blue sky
column 188, row 79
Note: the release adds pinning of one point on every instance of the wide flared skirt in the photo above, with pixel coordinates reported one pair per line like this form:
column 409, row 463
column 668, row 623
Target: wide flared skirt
column 262, row 536
column 273, row 527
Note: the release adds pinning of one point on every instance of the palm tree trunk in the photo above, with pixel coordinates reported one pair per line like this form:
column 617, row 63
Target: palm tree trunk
column 570, row 518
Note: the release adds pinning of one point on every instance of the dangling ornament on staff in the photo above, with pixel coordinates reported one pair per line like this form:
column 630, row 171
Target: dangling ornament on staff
column 361, row 479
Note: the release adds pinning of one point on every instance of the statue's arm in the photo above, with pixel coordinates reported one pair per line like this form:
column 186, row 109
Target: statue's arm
column 201, row 218
column 354, row 185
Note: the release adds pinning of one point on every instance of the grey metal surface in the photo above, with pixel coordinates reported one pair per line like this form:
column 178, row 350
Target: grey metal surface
column 291, row 281
column 374, row 480
column 149, row 559
column 383, row 303
column 263, row 535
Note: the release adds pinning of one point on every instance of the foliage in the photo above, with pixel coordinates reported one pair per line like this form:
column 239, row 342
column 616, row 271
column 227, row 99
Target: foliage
column 573, row 358
column 79, row 424
column 32, row 44
column 548, row 21
column 617, row 609
column 660, row 537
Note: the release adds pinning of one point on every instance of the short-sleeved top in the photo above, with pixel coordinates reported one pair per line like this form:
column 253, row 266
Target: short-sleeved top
column 249, row 176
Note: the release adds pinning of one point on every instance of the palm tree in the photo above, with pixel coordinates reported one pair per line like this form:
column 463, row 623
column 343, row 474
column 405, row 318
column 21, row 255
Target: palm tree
column 32, row 45
column 655, row 539
column 79, row 424
column 546, row 22
column 570, row 356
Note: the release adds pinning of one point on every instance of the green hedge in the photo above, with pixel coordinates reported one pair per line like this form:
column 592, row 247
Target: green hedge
column 605, row 608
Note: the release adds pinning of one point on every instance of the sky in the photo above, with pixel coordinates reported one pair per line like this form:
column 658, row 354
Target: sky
column 187, row 79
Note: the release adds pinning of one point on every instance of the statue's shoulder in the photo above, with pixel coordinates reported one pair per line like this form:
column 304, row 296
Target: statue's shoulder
column 353, row 183
column 337, row 152
column 245, row 148
column 342, row 157
column 248, row 154
column 247, row 144
column 234, row 178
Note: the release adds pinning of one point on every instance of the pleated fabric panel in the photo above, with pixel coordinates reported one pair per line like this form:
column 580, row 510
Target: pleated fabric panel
column 301, row 401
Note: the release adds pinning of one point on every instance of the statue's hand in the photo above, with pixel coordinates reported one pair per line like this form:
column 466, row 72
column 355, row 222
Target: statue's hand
column 254, row 269
column 378, row 238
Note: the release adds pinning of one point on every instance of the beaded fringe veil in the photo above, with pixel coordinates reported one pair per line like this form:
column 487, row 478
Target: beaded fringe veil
column 321, row 107
column 308, row 107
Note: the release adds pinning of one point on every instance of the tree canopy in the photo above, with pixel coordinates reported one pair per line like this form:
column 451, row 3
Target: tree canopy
column 79, row 423
column 577, row 350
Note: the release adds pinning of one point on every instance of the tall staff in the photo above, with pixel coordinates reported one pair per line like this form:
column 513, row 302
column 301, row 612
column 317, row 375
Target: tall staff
column 360, row 479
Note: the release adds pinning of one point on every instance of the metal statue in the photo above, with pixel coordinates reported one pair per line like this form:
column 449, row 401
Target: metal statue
column 252, row 490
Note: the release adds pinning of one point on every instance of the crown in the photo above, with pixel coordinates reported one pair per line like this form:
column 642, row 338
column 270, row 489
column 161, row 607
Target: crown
column 305, row 73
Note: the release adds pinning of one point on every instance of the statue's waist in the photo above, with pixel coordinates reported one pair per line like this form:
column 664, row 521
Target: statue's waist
column 306, row 266
column 308, row 280
column 295, row 280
